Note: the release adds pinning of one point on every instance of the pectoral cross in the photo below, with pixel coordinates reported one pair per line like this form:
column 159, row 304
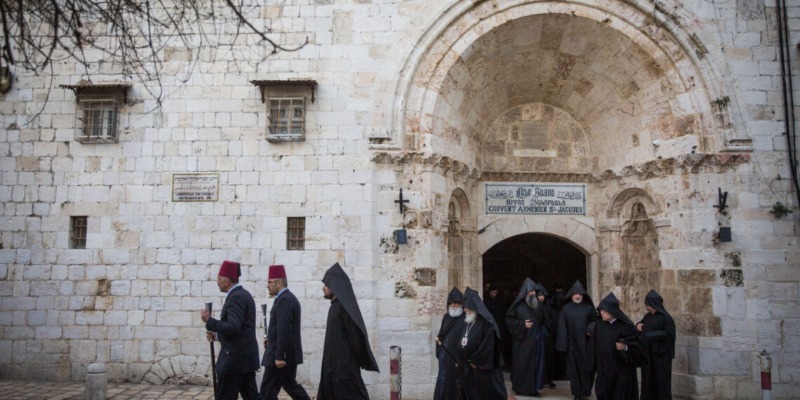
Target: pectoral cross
column 402, row 202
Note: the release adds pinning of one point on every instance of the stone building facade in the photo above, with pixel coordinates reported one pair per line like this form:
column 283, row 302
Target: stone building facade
column 656, row 113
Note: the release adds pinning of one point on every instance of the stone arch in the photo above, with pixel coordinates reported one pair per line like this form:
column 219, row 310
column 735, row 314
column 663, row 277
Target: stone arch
column 578, row 231
column 621, row 206
column 458, row 238
column 448, row 39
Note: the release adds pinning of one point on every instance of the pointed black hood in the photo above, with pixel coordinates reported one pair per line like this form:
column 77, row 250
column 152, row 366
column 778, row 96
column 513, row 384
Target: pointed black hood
column 577, row 288
column 527, row 286
column 474, row 302
column 339, row 284
column 653, row 299
column 455, row 296
column 610, row 304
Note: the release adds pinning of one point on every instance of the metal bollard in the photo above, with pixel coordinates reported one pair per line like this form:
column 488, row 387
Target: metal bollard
column 395, row 376
column 766, row 375
column 96, row 381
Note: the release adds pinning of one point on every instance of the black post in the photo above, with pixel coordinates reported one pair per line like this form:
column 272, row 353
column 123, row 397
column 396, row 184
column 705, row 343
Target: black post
column 213, row 356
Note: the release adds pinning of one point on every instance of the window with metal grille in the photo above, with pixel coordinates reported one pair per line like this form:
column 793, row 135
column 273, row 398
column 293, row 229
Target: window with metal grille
column 286, row 118
column 296, row 233
column 77, row 235
column 97, row 118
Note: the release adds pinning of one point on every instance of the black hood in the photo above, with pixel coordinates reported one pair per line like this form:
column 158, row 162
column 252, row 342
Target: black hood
column 339, row 284
column 653, row 299
column 527, row 286
column 474, row 303
column 541, row 290
column 455, row 296
column 577, row 288
column 611, row 305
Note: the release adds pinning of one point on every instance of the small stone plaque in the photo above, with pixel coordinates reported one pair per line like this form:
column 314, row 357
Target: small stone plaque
column 195, row 187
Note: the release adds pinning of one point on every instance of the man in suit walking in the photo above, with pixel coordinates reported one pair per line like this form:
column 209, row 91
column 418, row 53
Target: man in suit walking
column 236, row 331
column 284, row 349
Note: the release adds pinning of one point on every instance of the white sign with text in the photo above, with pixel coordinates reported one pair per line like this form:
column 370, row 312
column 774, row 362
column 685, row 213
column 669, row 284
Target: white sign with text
column 535, row 198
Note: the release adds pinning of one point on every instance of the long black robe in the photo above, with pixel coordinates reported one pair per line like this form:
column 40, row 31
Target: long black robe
column 479, row 357
column 346, row 349
column 572, row 339
column 658, row 338
column 449, row 335
column 527, row 362
column 616, row 373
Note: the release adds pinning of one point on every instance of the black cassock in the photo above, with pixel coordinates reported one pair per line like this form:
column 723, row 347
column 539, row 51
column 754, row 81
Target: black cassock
column 478, row 345
column 616, row 369
column 658, row 338
column 571, row 338
column 341, row 374
column 446, row 385
column 527, row 358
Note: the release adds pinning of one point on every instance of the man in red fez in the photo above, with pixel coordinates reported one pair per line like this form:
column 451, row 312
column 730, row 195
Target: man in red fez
column 236, row 331
column 284, row 349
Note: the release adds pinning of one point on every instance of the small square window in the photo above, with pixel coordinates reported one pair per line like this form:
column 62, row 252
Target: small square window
column 286, row 118
column 77, row 233
column 98, row 111
column 296, row 233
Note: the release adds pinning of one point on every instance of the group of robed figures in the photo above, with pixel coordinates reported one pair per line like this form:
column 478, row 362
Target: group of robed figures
column 346, row 349
column 603, row 347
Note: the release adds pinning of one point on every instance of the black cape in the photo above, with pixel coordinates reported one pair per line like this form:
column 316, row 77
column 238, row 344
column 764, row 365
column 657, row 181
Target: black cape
column 449, row 335
column 658, row 339
column 527, row 360
column 346, row 347
column 572, row 338
column 480, row 361
column 616, row 369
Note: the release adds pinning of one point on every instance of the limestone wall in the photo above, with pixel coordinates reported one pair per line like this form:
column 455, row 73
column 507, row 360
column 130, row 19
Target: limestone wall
column 425, row 97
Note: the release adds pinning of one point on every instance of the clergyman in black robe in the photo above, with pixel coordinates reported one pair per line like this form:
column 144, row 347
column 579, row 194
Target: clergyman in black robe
column 479, row 357
column 614, row 347
column 572, row 338
column 346, row 349
column 497, row 306
column 550, row 321
column 525, row 321
column 657, row 333
column 447, row 342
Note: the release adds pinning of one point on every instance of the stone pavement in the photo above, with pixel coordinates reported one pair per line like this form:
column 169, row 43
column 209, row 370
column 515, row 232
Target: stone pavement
column 38, row 390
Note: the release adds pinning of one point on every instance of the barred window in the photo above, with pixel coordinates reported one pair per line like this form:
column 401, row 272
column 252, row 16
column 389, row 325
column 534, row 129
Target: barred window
column 286, row 118
column 97, row 119
column 296, row 233
column 98, row 110
column 77, row 235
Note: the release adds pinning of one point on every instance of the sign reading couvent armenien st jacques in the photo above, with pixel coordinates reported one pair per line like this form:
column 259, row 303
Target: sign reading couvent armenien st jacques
column 535, row 198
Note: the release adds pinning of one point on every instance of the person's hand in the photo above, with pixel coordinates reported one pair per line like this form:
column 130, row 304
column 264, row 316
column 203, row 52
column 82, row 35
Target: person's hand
column 265, row 342
column 621, row 346
column 210, row 336
column 205, row 315
column 528, row 324
column 473, row 366
column 280, row 363
column 436, row 339
column 639, row 326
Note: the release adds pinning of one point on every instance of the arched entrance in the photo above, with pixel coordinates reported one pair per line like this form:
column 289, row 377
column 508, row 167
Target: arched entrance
column 544, row 258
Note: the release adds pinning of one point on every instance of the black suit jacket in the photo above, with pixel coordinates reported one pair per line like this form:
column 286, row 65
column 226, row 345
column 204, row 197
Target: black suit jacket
column 236, row 330
column 283, row 333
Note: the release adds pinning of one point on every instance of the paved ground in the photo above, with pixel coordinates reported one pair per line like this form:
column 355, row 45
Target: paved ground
column 35, row 390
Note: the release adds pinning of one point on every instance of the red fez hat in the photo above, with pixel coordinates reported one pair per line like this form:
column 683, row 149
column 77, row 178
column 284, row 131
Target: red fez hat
column 230, row 269
column 277, row 272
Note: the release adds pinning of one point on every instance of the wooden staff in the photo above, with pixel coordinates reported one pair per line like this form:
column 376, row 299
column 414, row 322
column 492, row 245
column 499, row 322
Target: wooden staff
column 213, row 357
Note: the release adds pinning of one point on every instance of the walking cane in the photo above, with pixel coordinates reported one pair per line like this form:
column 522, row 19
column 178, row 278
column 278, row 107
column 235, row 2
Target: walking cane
column 264, row 310
column 213, row 357
column 448, row 354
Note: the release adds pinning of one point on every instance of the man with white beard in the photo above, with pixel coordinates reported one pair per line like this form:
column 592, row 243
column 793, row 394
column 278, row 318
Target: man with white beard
column 525, row 320
column 447, row 347
column 479, row 357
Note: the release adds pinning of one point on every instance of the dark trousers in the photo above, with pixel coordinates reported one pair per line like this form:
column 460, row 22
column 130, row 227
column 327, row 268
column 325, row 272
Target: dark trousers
column 276, row 378
column 230, row 386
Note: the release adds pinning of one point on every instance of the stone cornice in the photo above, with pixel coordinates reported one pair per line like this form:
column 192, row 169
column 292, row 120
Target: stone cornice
column 682, row 164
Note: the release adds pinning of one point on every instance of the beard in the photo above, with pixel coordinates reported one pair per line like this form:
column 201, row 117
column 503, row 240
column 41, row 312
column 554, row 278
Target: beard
column 455, row 312
column 470, row 317
column 532, row 301
column 328, row 296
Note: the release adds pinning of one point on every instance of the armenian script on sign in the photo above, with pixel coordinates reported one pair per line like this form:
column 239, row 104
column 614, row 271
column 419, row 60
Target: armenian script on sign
column 535, row 198
column 195, row 187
